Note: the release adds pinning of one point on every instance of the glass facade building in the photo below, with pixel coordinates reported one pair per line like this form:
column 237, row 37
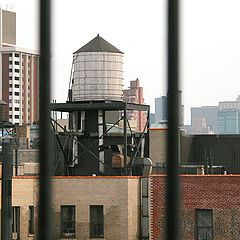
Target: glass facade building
column 228, row 122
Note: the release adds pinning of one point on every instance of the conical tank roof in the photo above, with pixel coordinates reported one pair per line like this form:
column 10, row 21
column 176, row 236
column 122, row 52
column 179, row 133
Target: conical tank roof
column 98, row 44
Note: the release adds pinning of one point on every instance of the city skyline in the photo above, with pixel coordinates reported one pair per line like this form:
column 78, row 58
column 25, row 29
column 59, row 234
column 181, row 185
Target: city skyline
column 209, row 46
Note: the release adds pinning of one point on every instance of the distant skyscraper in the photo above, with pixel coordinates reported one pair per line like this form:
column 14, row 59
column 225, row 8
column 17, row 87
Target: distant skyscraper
column 209, row 113
column 7, row 28
column 152, row 119
column 160, row 109
column 135, row 95
column 228, row 121
column 19, row 74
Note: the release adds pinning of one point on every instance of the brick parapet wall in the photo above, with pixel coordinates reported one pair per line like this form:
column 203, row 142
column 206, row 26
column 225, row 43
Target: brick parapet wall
column 220, row 193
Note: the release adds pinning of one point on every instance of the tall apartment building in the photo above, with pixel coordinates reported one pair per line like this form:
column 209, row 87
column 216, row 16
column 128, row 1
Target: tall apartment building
column 19, row 74
column 135, row 95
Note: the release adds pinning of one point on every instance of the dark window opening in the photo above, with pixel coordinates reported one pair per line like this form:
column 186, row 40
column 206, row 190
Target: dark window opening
column 16, row 116
column 204, row 218
column 16, row 78
column 96, row 221
column 31, row 220
column 68, row 221
column 16, row 54
column 16, row 93
column 16, row 63
column 10, row 62
column 17, row 70
column 16, row 109
column 16, row 85
column 16, row 222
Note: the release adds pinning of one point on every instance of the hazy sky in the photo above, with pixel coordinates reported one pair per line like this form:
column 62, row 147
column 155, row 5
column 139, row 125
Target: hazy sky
column 210, row 43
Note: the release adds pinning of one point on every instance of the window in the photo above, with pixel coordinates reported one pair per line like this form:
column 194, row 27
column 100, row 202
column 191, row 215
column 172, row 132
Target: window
column 16, row 109
column 16, row 55
column 96, row 221
column 16, row 63
column 16, row 93
column 204, row 218
column 16, row 85
column 16, row 78
column 16, row 101
column 16, row 221
column 16, row 116
column 17, row 70
column 31, row 220
column 10, row 85
column 68, row 221
column 10, row 116
column 10, row 78
column 10, row 54
column 10, row 62
column 10, row 93
column 10, row 70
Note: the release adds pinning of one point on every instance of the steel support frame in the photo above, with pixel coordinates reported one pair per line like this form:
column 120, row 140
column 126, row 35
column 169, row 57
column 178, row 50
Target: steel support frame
column 124, row 118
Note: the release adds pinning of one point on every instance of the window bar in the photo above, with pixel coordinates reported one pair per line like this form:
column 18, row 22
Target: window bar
column 172, row 191
column 45, row 146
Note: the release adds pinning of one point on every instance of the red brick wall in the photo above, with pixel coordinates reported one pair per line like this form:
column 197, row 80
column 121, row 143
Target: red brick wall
column 220, row 193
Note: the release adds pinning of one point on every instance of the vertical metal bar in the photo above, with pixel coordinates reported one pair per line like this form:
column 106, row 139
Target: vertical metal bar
column 125, row 139
column 173, row 119
column 7, row 172
column 45, row 143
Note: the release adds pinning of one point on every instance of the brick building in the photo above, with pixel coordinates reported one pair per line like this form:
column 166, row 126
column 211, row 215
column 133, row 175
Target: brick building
column 83, row 207
column 135, row 95
column 117, row 207
column 210, row 207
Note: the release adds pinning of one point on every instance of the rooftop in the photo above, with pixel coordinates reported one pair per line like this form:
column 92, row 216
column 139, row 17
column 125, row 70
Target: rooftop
column 98, row 44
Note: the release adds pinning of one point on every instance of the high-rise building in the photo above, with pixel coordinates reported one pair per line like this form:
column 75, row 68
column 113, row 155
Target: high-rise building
column 228, row 121
column 135, row 95
column 209, row 113
column 19, row 74
column 7, row 28
column 160, row 109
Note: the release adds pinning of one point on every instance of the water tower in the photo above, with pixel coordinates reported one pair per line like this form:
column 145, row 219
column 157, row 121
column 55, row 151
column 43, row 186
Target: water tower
column 95, row 106
column 97, row 72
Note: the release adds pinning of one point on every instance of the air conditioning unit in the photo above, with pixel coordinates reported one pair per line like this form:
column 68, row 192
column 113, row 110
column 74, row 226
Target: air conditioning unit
column 14, row 235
